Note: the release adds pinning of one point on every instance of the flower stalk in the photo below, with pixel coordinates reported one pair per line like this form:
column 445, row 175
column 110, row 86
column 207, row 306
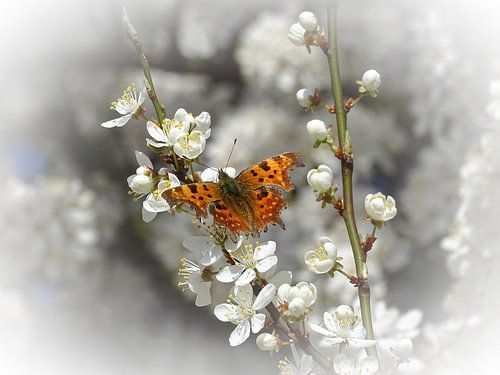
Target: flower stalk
column 347, row 171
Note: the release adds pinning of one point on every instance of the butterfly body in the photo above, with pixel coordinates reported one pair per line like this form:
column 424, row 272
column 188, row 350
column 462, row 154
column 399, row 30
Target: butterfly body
column 246, row 203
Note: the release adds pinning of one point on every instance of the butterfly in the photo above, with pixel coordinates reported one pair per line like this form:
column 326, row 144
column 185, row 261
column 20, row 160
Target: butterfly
column 246, row 203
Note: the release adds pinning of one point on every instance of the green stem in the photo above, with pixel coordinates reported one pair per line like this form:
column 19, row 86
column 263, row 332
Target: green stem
column 347, row 170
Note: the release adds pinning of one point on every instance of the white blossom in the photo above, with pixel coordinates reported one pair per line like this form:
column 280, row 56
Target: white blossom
column 297, row 300
column 370, row 82
column 304, row 97
column 142, row 181
column 322, row 259
column 248, row 260
column 296, row 34
column 267, row 342
column 317, row 129
column 342, row 327
column 198, row 280
column 126, row 106
column 321, row 178
column 302, row 365
column 402, row 350
column 308, row 21
column 208, row 250
column 379, row 207
column 190, row 145
column 343, row 365
column 241, row 310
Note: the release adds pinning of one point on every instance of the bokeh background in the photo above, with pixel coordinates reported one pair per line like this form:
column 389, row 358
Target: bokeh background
column 87, row 288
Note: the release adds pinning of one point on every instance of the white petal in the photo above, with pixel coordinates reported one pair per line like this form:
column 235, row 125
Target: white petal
column 210, row 175
column 194, row 282
column 329, row 321
column 265, row 296
column 143, row 160
column 147, row 216
column 246, row 277
column 230, row 171
column 180, row 114
column 229, row 273
column 306, row 364
column 225, row 312
column 198, row 244
column 343, row 365
column 153, row 143
column 368, row 366
column 330, row 341
column 244, row 294
column 258, row 321
column 174, row 181
column 266, row 264
column 203, row 298
column 240, row 333
column 323, row 266
column 322, row 331
column 152, row 204
column 211, row 256
column 142, row 94
column 117, row 122
column 264, row 250
column 156, row 132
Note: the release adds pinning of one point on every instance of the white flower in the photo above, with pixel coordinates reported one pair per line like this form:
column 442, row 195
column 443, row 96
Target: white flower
column 296, row 34
column 317, row 129
column 402, row 350
column 212, row 175
column 160, row 138
column 142, row 181
column 267, row 342
column 207, row 250
column 322, row 259
column 304, row 97
column 154, row 202
column 242, row 311
column 298, row 299
column 343, row 365
column 308, row 21
column 190, row 145
column 248, row 260
column 126, row 106
column 302, row 366
column 343, row 327
column 379, row 207
column 198, row 280
column 370, row 82
column 321, row 178
column 203, row 122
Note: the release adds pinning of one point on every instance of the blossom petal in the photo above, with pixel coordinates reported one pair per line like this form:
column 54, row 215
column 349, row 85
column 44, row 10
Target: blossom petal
column 266, row 264
column 258, row 321
column 343, row 365
column 117, row 122
column 197, row 244
column 156, row 132
column 306, row 364
column 210, row 256
column 264, row 250
column 143, row 160
column 330, row 341
column 147, row 216
column 322, row 331
column 203, row 298
column 368, row 366
column 246, row 277
column 240, row 333
column 264, row 297
column 225, row 312
column 329, row 321
column 230, row 273
column 244, row 294
column 152, row 204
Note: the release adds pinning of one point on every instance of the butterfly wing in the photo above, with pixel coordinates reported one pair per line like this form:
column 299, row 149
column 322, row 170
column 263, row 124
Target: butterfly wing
column 227, row 217
column 274, row 170
column 268, row 204
column 197, row 196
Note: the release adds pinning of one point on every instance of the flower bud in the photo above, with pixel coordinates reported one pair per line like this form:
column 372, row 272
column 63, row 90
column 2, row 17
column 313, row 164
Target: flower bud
column 297, row 307
column 141, row 184
column 296, row 34
column 203, row 121
column 344, row 313
column 267, row 342
column 379, row 207
column 308, row 21
column 317, row 129
column 370, row 82
column 321, row 178
column 303, row 97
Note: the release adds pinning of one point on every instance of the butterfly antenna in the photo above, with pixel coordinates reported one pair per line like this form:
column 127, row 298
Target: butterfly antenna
column 232, row 149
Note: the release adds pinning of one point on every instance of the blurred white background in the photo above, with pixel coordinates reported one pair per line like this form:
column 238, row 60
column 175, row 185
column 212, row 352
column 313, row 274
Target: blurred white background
column 87, row 288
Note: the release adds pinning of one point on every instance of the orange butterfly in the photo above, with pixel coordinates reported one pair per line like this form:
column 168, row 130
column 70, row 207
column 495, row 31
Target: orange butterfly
column 244, row 204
